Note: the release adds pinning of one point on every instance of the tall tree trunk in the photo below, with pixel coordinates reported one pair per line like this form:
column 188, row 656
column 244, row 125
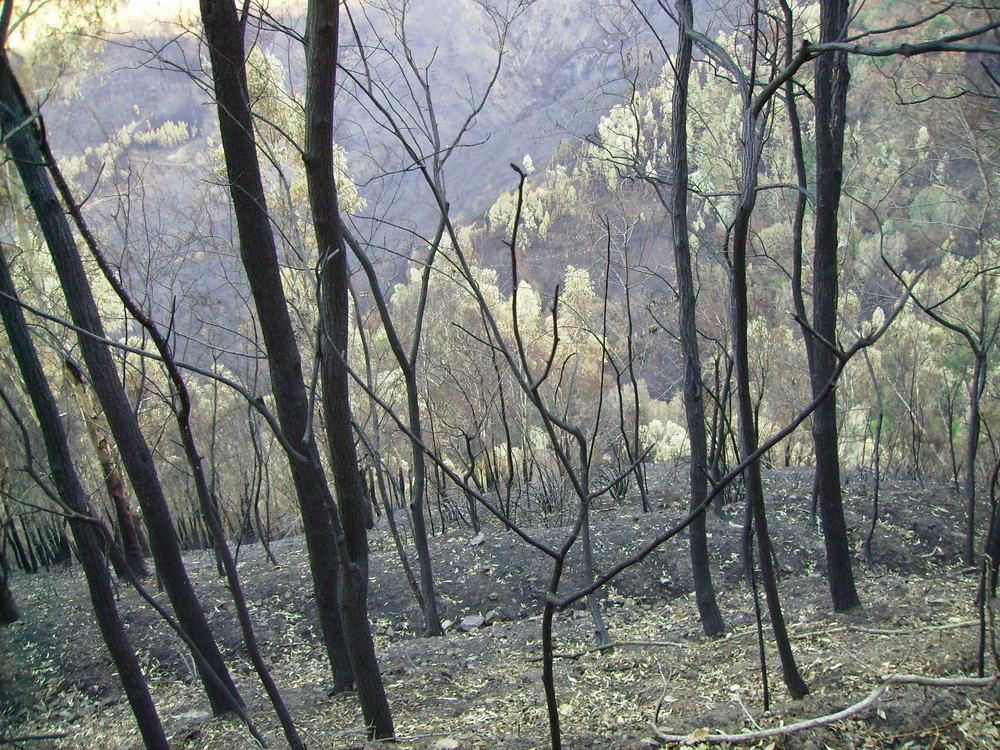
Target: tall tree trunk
column 748, row 444
column 832, row 78
column 322, row 33
column 128, row 523
column 224, row 37
column 694, row 409
column 866, row 546
column 752, row 143
column 22, row 137
column 206, row 497
column 72, row 495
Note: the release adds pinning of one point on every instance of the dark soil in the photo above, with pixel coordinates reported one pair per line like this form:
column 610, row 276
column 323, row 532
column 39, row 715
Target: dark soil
column 482, row 688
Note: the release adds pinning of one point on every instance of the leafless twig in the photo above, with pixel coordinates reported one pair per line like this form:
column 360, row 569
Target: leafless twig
column 819, row 721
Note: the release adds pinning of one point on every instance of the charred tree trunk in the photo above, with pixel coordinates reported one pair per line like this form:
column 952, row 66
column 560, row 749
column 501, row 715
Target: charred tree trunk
column 694, row 408
column 748, row 444
column 8, row 605
column 23, row 138
column 224, row 36
column 71, row 493
column 322, row 32
column 992, row 547
column 30, row 563
column 832, row 78
column 876, row 465
column 752, row 144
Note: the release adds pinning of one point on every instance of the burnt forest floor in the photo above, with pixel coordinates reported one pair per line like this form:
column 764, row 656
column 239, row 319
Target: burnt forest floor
column 482, row 688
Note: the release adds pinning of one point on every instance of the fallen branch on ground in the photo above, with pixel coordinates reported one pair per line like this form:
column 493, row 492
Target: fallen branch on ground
column 872, row 697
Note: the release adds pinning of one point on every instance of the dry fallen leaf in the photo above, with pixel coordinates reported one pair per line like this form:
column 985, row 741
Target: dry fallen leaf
column 696, row 736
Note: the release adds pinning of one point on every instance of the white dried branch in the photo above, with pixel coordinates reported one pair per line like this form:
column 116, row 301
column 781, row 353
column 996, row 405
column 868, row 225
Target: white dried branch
column 819, row 721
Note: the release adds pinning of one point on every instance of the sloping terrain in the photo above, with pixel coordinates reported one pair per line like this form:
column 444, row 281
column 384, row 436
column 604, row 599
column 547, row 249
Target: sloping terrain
column 481, row 689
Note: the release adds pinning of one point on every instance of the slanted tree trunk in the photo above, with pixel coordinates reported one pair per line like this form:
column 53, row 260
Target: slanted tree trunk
column 752, row 144
column 207, row 500
column 694, row 409
column 832, row 77
column 22, row 550
column 224, row 37
column 322, row 32
column 748, row 444
column 407, row 362
column 72, row 495
column 133, row 545
column 22, row 138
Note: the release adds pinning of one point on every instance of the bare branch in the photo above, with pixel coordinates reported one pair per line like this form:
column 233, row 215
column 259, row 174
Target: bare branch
column 867, row 701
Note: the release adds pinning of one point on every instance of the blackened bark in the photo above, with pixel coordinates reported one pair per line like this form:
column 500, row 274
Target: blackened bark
column 408, row 367
column 71, row 493
column 832, row 78
column 748, row 444
column 801, row 177
column 322, row 32
column 432, row 620
column 8, row 605
column 866, row 546
column 207, row 500
column 548, row 657
column 23, row 551
column 992, row 549
column 224, row 36
column 752, row 143
column 694, row 409
column 353, row 590
column 22, row 137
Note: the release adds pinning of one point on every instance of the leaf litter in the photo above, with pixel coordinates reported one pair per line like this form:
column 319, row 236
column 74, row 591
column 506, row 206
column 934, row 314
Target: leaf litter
column 482, row 689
